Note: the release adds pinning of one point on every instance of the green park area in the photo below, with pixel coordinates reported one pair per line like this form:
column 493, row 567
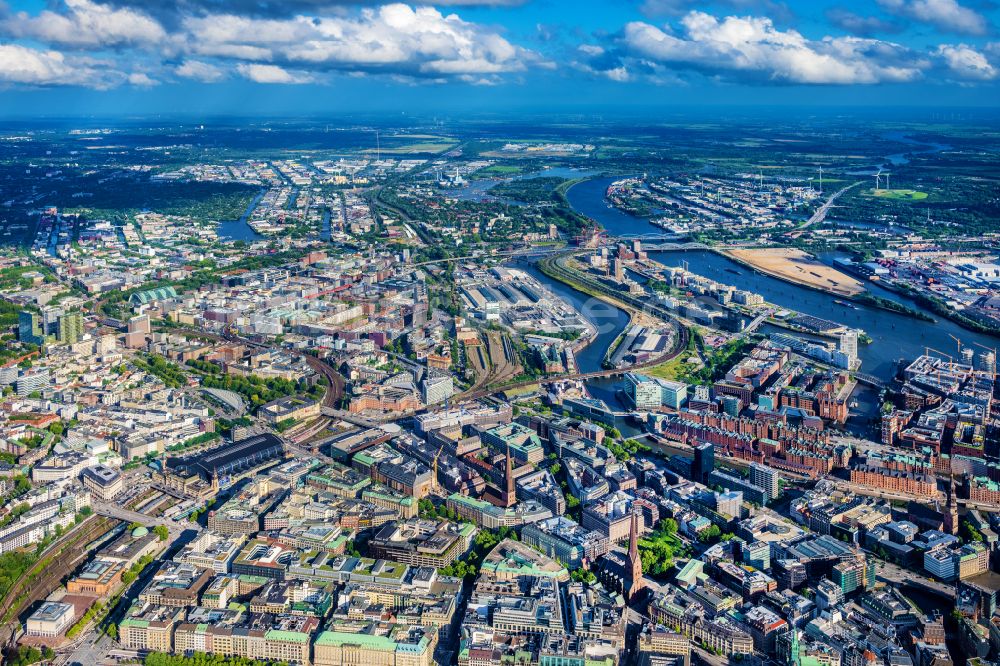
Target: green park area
column 899, row 195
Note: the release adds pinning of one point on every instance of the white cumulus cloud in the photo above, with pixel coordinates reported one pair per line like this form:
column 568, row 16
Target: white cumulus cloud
column 395, row 39
column 752, row 48
column 86, row 24
column 275, row 44
column 271, row 74
column 199, row 71
column 33, row 67
column 142, row 80
column 947, row 15
column 967, row 63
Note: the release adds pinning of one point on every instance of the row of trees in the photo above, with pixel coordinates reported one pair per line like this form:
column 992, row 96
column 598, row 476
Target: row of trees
column 203, row 659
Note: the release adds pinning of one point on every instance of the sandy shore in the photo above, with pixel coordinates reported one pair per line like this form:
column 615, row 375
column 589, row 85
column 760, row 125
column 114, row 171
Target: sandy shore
column 797, row 266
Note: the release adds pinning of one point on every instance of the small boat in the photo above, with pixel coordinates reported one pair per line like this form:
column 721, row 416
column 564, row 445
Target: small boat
column 733, row 271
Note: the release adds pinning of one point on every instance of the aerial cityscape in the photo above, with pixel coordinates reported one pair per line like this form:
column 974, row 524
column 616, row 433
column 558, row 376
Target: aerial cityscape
column 503, row 333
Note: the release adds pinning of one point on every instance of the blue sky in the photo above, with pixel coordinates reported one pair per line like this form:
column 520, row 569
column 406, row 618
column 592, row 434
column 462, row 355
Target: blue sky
column 121, row 57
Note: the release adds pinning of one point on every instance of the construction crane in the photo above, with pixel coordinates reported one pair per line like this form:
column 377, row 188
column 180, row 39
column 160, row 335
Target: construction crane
column 958, row 342
column 928, row 350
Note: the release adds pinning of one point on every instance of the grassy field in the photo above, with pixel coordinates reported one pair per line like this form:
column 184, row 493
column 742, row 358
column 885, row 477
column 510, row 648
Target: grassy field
column 899, row 195
column 680, row 367
column 675, row 369
column 416, row 148
column 500, row 170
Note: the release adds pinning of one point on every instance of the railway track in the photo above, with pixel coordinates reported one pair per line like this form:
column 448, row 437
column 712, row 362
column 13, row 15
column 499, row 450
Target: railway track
column 499, row 362
column 47, row 573
column 680, row 343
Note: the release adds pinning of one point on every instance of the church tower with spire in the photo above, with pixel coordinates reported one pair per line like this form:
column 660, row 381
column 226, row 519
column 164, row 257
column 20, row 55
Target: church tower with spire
column 951, row 509
column 794, row 652
column 633, row 562
column 510, row 494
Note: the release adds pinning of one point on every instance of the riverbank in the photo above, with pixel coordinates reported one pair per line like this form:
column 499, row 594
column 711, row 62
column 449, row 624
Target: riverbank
column 939, row 307
column 551, row 269
column 554, row 269
column 796, row 266
column 864, row 297
column 869, row 298
column 930, row 303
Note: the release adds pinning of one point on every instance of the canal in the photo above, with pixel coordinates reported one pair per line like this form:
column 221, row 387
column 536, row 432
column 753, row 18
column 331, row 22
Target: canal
column 609, row 320
column 239, row 229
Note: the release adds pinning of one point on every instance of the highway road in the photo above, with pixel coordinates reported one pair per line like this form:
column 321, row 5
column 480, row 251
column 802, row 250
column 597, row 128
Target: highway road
column 820, row 214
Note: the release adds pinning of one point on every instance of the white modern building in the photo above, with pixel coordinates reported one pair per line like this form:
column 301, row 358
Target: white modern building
column 51, row 619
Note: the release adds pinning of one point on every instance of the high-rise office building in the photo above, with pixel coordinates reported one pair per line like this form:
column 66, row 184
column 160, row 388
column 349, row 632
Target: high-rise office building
column 756, row 554
column 643, row 392
column 849, row 344
column 618, row 270
column 854, row 574
column 29, row 327
column 54, row 323
column 704, row 462
column 728, row 503
column 139, row 324
column 70, row 328
column 767, row 478
column 673, row 394
column 436, row 389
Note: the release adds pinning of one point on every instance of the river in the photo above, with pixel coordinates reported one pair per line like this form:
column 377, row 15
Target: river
column 587, row 198
column 895, row 337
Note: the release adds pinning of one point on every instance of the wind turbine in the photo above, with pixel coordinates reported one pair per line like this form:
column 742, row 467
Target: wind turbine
column 887, row 180
column 878, row 179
